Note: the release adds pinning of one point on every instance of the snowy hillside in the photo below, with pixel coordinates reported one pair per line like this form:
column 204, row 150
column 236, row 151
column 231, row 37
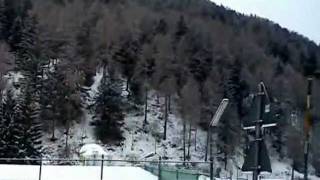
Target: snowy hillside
column 147, row 144
column 138, row 142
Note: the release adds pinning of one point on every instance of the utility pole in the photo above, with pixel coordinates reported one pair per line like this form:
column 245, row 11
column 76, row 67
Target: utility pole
column 307, row 127
column 214, row 123
column 258, row 134
column 257, row 158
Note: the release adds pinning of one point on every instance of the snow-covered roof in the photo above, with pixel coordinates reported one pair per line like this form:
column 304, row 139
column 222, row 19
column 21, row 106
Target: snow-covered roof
column 91, row 150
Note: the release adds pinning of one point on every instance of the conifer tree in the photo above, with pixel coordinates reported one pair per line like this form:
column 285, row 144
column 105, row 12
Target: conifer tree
column 127, row 56
column 30, row 143
column 181, row 28
column 10, row 131
column 107, row 107
column 8, row 14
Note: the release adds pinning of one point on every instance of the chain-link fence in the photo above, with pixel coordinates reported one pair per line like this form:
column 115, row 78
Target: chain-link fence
column 99, row 169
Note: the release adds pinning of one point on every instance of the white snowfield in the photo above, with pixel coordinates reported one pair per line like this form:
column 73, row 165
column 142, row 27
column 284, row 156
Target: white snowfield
column 30, row 172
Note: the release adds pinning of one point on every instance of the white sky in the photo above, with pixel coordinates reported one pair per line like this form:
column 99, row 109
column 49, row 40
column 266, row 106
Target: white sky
column 302, row 16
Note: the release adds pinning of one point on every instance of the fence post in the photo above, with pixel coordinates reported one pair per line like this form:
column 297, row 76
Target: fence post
column 159, row 169
column 211, row 168
column 102, row 162
column 40, row 170
column 177, row 175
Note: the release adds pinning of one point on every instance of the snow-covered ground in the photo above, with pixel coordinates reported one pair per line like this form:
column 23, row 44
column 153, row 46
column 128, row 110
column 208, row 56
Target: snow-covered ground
column 146, row 143
column 138, row 142
column 24, row 172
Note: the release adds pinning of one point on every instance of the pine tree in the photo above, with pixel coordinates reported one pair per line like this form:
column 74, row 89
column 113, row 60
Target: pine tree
column 30, row 143
column 161, row 27
column 107, row 107
column 127, row 56
column 2, row 20
column 26, row 44
column 235, row 89
column 200, row 58
column 181, row 28
column 229, row 130
column 143, row 75
column 49, row 98
column 10, row 132
column 8, row 14
column 60, row 100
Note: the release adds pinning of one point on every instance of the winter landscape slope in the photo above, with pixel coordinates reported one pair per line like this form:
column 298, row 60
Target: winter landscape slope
column 140, row 144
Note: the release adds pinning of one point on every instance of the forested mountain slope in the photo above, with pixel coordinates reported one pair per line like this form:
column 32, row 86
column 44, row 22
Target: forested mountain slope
column 191, row 53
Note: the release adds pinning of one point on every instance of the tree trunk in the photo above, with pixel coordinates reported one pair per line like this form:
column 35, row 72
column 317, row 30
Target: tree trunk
column 67, row 141
column 0, row 101
column 184, row 142
column 53, row 126
column 0, row 92
column 169, row 104
column 207, row 146
column 225, row 160
column 145, row 108
column 165, row 117
column 195, row 139
column 189, row 142
column 127, row 85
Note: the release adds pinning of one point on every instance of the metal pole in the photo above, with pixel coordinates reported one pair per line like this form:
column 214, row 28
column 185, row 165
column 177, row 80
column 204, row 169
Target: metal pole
column 159, row 169
column 211, row 168
column 177, row 174
column 211, row 153
column 292, row 172
column 306, row 154
column 237, row 173
column 40, row 170
column 102, row 162
column 258, row 137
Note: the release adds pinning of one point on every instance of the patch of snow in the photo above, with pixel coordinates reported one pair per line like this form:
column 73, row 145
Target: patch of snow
column 12, row 79
column 90, row 150
column 30, row 172
column 97, row 80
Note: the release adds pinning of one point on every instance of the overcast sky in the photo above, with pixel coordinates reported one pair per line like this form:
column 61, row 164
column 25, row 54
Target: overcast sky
column 302, row 16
